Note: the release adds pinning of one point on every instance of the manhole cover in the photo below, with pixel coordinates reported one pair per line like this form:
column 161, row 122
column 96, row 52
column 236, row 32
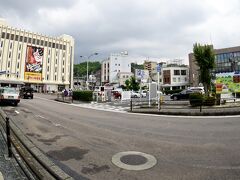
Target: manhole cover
column 133, row 160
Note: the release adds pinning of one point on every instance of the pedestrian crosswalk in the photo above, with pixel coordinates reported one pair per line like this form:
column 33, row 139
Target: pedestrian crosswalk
column 103, row 106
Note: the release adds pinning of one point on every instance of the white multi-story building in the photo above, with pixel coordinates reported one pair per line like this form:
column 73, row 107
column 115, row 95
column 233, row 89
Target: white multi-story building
column 114, row 67
column 43, row 62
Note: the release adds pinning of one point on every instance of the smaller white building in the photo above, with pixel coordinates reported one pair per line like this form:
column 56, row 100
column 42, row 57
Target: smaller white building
column 112, row 67
column 174, row 77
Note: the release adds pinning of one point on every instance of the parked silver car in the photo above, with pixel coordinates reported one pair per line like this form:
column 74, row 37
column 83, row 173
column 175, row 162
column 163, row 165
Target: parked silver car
column 9, row 95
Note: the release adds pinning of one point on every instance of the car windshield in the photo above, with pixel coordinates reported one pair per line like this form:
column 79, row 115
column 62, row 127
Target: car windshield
column 9, row 91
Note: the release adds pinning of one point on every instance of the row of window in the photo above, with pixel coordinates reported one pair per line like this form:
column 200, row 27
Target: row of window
column 32, row 41
column 227, row 56
column 177, row 72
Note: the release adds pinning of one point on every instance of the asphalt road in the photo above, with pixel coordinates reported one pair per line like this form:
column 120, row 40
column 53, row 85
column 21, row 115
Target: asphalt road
column 82, row 141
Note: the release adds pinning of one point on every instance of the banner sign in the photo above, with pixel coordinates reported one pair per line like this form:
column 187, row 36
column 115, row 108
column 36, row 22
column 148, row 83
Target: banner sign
column 33, row 65
column 227, row 83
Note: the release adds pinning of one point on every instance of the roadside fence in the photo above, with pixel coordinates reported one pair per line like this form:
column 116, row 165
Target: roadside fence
column 34, row 163
column 161, row 105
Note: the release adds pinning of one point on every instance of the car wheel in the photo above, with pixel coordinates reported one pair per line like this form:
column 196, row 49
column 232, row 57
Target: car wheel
column 175, row 98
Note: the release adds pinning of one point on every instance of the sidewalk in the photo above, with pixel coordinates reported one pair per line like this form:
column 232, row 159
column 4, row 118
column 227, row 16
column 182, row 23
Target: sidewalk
column 9, row 168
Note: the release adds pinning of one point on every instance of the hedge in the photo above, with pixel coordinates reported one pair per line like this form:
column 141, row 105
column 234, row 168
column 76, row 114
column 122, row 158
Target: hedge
column 83, row 95
column 196, row 99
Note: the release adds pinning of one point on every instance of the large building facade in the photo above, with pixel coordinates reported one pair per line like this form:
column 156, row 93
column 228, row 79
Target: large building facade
column 42, row 62
column 116, row 66
column 226, row 60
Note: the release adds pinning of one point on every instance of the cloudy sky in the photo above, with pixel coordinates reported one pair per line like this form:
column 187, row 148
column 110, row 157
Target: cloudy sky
column 154, row 29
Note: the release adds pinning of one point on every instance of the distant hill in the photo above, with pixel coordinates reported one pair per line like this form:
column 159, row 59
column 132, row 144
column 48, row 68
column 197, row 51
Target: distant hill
column 80, row 70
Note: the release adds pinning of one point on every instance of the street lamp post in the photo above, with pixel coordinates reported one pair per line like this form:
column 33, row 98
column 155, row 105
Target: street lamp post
column 88, row 57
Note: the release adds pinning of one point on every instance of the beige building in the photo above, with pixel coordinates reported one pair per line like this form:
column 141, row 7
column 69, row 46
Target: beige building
column 43, row 62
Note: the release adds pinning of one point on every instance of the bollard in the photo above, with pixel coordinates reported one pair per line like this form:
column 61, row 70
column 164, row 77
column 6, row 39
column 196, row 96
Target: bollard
column 131, row 105
column 8, row 137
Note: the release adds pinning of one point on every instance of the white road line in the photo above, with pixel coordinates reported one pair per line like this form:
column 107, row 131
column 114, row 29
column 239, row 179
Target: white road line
column 16, row 112
column 40, row 116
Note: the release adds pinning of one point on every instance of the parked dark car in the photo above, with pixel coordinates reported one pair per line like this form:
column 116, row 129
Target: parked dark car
column 26, row 92
column 184, row 94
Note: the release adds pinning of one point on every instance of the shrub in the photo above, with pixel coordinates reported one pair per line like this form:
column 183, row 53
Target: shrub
column 83, row 95
column 209, row 101
column 196, row 99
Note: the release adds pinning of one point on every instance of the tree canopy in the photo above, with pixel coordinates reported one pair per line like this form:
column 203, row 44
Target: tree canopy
column 80, row 70
column 205, row 59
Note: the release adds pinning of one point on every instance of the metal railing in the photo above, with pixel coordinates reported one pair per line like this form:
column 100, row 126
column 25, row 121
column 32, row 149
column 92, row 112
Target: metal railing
column 161, row 106
column 33, row 162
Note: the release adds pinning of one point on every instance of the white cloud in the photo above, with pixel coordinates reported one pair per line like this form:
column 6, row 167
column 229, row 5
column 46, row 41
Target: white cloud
column 150, row 28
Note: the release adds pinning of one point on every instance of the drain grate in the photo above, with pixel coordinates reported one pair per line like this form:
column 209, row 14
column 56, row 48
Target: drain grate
column 133, row 160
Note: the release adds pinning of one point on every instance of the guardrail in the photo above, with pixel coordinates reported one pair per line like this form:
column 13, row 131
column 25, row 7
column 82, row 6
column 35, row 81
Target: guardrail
column 34, row 163
column 182, row 107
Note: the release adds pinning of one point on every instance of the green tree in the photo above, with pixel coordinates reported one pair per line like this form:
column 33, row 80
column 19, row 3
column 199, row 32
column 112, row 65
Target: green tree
column 205, row 59
column 132, row 84
column 80, row 70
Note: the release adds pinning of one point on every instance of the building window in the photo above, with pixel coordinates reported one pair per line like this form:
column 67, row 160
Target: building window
column 12, row 36
column 16, row 38
column 25, row 39
column 49, row 44
column 18, row 55
column 38, row 41
column 174, row 79
column 45, row 43
column 57, row 46
column 48, row 60
column 55, row 77
column 63, row 70
column 7, row 37
column 63, row 62
column 63, row 54
column 3, row 34
column 56, row 53
column 176, row 72
column 34, row 40
column 41, row 42
column 10, row 54
column 53, row 45
column 29, row 40
column 21, row 39
column 64, row 47
column 47, row 77
column 1, row 43
column 0, row 53
column 55, row 69
column 18, row 65
column 56, row 61
column 20, row 46
column 11, row 45
column 48, row 68
column 183, row 72
column 115, row 64
column 9, row 63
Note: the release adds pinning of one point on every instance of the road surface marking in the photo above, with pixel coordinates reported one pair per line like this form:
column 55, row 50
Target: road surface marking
column 16, row 112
